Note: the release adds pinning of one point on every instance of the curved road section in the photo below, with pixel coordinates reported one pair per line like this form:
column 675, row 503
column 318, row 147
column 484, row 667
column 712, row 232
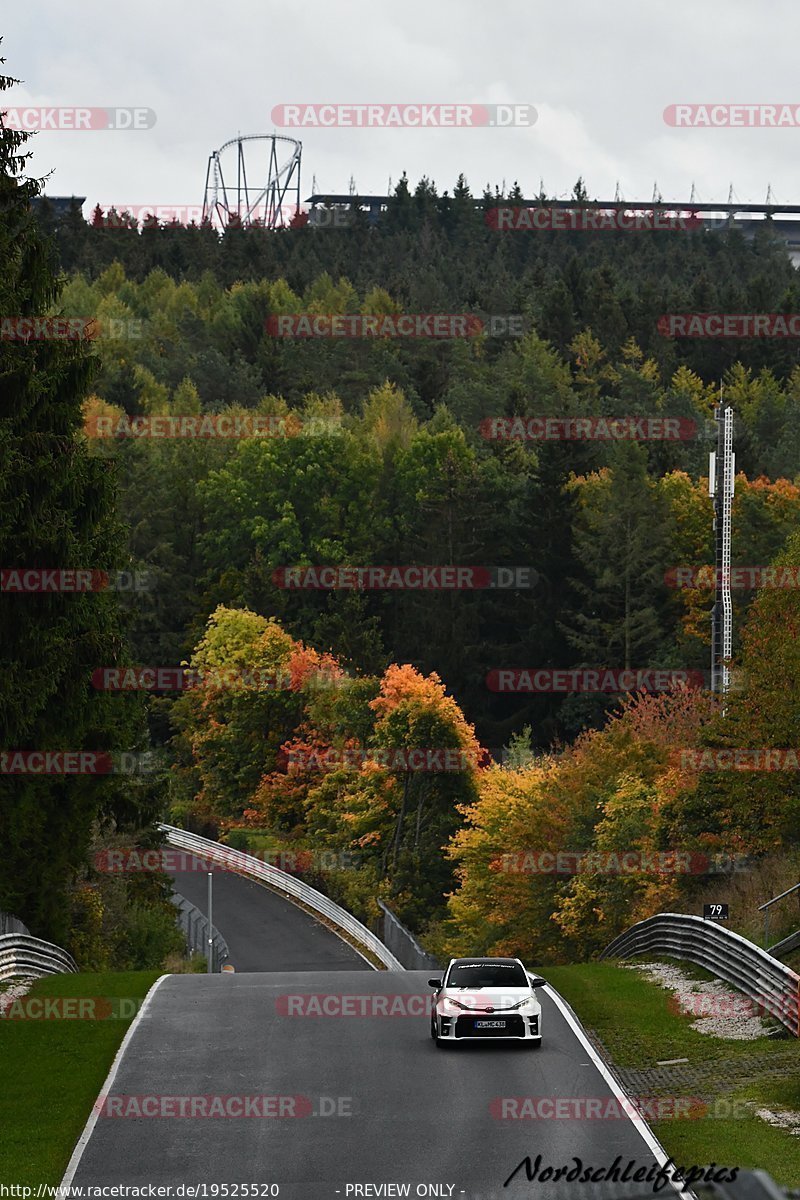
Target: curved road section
column 264, row 932
column 326, row 1085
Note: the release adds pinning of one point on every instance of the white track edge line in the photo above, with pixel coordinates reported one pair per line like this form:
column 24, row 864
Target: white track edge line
column 88, row 1128
column 566, row 1011
column 642, row 1128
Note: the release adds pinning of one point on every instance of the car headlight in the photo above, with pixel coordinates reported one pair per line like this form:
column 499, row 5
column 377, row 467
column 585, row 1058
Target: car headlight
column 520, row 1003
column 449, row 1001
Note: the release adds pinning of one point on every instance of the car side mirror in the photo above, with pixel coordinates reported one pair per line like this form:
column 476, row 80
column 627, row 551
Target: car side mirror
column 537, row 981
column 437, row 983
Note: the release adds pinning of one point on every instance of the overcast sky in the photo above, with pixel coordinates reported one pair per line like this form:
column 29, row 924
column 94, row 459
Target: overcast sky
column 599, row 76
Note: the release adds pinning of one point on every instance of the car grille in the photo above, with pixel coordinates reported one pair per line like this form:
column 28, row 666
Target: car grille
column 514, row 1025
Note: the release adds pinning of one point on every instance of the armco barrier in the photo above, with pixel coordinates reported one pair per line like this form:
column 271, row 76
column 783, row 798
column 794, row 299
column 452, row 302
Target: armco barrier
column 25, row 957
column 786, row 946
column 404, row 945
column 9, row 924
column 247, row 864
column 194, row 925
column 729, row 956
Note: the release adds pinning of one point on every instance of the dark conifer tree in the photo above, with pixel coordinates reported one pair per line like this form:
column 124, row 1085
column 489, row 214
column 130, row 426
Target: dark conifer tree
column 56, row 512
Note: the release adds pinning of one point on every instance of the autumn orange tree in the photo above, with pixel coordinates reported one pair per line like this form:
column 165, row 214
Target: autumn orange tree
column 498, row 906
column 606, row 793
column 337, row 720
column 414, row 712
column 411, row 759
column 276, row 736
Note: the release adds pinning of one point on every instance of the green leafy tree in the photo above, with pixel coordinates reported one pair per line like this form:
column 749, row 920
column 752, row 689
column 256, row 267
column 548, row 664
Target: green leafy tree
column 757, row 811
column 232, row 724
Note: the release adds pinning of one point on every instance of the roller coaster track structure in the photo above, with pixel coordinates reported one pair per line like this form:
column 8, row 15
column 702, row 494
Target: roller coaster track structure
column 273, row 196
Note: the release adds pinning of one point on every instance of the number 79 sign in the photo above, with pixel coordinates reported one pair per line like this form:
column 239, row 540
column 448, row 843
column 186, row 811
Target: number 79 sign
column 715, row 912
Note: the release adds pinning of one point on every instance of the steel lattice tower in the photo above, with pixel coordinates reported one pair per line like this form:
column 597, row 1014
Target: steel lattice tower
column 722, row 467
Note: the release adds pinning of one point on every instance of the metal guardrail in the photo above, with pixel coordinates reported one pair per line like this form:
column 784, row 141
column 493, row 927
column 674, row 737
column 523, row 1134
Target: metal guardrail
column 25, row 957
column 194, row 924
column 9, row 924
column 404, row 945
column 248, row 864
column 766, row 907
column 768, row 982
column 786, row 945
column 637, row 940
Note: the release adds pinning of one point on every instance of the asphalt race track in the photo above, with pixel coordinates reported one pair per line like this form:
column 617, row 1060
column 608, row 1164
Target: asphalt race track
column 264, row 932
column 374, row 1100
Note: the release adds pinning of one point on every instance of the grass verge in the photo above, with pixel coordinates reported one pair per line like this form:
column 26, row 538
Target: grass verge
column 633, row 1019
column 53, row 1070
column 56, row 1068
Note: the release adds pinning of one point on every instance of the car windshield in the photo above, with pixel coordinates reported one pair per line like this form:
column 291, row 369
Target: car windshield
column 487, row 974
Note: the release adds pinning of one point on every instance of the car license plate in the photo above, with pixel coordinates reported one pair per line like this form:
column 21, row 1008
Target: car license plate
column 490, row 1024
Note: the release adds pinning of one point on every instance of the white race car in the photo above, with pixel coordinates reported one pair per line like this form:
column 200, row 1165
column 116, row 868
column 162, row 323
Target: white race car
column 482, row 998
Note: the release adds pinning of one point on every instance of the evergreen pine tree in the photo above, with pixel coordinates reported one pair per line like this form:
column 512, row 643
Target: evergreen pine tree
column 56, row 511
